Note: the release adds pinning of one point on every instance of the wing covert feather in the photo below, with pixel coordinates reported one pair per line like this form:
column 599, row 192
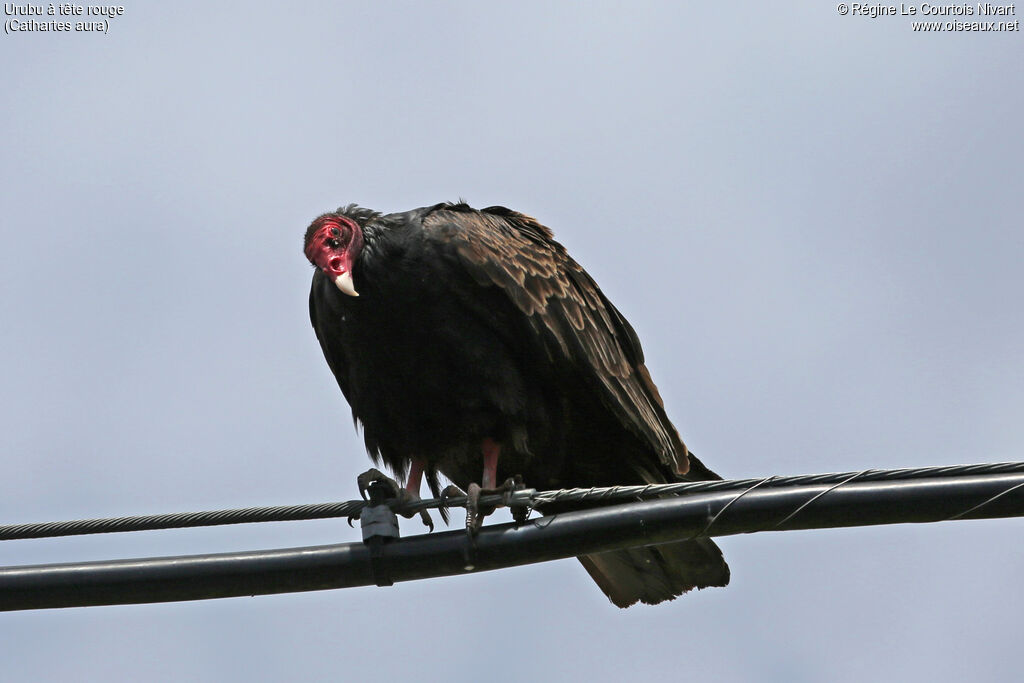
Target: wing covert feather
column 565, row 308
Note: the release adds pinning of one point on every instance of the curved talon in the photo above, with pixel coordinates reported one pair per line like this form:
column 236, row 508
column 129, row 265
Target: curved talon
column 508, row 487
column 405, row 497
column 373, row 475
column 424, row 516
column 475, row 514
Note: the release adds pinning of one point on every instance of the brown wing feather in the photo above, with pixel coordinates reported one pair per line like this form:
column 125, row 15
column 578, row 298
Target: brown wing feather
column 567, row 310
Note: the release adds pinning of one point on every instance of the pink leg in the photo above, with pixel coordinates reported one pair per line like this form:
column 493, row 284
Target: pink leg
column 412, row 484
column 412, row 488
column 474, row 515
column 491, row 450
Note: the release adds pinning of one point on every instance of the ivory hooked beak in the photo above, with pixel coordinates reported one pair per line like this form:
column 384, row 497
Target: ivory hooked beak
column 344, row 283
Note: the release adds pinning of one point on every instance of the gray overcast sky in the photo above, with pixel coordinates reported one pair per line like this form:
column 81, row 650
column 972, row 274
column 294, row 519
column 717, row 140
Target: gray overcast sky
column 812, row 220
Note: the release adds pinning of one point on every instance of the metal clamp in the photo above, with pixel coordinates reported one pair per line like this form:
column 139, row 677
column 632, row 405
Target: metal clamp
column 379, row 525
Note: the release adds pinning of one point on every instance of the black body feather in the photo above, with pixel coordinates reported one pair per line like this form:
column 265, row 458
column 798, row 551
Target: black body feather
column 477, row 324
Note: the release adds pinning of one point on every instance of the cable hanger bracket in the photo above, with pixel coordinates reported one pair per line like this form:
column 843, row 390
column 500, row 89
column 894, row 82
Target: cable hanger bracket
column 379, row 525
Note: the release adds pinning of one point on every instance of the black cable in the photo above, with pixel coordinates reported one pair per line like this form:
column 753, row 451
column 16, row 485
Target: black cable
column 759, row 507
column 531, row 498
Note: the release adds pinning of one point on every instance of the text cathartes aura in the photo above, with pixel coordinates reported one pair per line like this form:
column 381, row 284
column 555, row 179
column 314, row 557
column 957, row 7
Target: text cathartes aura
column 470, row 344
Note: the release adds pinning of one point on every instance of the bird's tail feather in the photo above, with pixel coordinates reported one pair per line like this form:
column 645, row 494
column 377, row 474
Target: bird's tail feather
column 663, row 572
column 657, row 573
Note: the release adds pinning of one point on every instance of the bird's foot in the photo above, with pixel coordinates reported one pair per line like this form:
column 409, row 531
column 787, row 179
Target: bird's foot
column 475, row 512
column 395, row 495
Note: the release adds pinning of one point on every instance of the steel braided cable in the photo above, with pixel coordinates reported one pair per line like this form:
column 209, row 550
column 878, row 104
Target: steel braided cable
column 529, row 497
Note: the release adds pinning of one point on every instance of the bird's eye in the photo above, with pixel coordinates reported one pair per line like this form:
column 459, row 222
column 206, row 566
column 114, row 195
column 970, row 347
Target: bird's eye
column 335, row 232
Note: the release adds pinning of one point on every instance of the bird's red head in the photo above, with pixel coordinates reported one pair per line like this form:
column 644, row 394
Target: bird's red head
column 333, row 243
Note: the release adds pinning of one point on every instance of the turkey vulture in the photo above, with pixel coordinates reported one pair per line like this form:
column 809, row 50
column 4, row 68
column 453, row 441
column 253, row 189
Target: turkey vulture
column 469, row 340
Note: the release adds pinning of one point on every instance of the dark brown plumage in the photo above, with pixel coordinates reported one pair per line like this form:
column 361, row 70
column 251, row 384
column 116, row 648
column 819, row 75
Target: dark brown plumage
column 448, row 328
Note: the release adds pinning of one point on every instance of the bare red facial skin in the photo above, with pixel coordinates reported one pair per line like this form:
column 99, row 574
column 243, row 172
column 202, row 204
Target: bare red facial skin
column 335, row 244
